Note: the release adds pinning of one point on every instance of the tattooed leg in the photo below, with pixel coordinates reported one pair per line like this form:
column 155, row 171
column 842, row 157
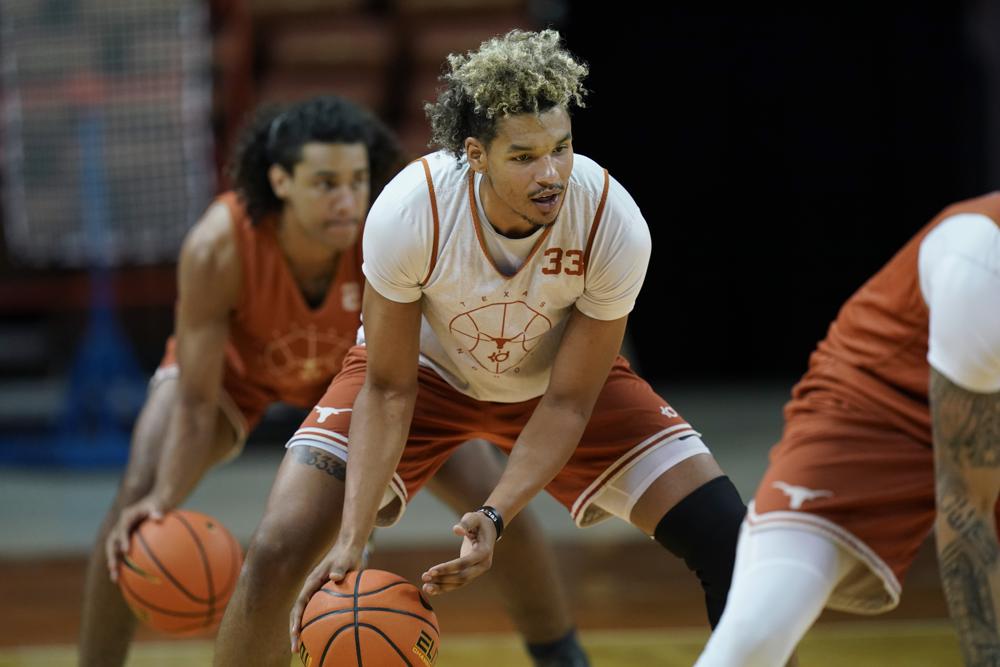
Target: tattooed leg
column 335, row 467
column 321, row 461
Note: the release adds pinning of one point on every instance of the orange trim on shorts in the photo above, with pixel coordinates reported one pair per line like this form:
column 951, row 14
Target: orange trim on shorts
column 437, row 222
column 482, row 242
column 596, row 223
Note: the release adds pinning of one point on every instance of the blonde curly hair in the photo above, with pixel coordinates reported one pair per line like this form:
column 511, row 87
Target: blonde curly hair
column 521, row 72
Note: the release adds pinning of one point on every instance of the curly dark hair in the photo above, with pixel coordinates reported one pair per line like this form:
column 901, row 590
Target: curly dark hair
column 276, row 134
column 521, row 72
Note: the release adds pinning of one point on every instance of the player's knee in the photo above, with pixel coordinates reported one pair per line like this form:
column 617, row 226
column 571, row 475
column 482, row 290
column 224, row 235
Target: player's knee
column 275, row 556
column 703, row 530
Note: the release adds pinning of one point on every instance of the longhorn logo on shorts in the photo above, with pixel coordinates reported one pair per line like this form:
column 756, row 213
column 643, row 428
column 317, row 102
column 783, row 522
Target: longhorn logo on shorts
column 499, row 336
column 800, row 494
column 324, row 413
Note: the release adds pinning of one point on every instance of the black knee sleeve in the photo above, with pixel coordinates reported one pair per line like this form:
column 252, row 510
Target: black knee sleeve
column 703, row 529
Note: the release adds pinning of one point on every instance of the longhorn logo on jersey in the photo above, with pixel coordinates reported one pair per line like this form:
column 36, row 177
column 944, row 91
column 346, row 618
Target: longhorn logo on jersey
column 500, row 335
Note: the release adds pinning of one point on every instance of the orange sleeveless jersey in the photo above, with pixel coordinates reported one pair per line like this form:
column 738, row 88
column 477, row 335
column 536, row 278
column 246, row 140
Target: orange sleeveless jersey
column 279, row 348
column 874, row 356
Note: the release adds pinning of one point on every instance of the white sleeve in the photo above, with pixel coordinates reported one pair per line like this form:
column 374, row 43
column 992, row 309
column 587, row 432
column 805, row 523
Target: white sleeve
column 397, row 242
column 960, row 279
column 618, row 260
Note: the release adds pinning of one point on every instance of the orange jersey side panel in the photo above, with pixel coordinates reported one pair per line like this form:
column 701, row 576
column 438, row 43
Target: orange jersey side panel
column 875, row 354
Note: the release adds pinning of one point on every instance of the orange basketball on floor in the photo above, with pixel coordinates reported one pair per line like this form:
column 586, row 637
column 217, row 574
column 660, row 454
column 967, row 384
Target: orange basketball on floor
column 179, row 573
column 372, row 617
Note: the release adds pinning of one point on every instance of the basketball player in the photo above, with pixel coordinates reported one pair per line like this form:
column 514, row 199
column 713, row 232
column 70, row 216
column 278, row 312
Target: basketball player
column 269, row 301
column 501, row 271
column 893, row 431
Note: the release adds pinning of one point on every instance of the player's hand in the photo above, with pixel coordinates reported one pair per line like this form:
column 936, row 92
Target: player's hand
column 116, row 546
column 340, row 560
column 479, row 536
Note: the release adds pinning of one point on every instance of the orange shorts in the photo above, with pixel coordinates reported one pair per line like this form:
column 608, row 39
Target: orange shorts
column 240, row 400
column 856, row 479
column 632, row 438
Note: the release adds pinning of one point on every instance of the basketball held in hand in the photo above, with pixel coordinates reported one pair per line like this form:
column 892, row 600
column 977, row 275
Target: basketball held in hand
column 180, row 572
column 372, row 617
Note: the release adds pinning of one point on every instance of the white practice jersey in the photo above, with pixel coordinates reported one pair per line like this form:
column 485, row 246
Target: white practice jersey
column 491, row 335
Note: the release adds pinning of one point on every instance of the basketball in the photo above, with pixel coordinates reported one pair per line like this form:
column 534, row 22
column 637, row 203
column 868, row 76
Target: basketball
column 179, row 573
column 372, row 617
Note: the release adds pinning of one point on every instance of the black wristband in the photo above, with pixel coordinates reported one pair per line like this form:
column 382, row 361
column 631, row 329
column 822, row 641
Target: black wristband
column 493, row 515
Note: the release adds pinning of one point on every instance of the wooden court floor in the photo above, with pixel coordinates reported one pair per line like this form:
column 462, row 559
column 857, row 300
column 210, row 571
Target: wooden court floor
column 635, row 605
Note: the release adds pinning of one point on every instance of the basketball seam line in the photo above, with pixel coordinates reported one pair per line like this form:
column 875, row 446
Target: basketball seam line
column 165, row 571
column 390, row 642
column 388, row 610
column 205, row 565
column 326, row 649
column 357, row 634
column 160, row 610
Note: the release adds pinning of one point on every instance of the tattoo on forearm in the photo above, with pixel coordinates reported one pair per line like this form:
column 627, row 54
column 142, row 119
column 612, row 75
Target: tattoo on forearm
column 967, row 457
column 967, row 424
column 969, row 596
column 329, row 464
column 953, row 504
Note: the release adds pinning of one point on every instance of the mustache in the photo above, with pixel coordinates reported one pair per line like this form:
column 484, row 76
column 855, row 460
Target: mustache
column 554, row 190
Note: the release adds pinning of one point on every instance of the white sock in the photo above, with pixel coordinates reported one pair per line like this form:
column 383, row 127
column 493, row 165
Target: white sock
column 781, row 582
